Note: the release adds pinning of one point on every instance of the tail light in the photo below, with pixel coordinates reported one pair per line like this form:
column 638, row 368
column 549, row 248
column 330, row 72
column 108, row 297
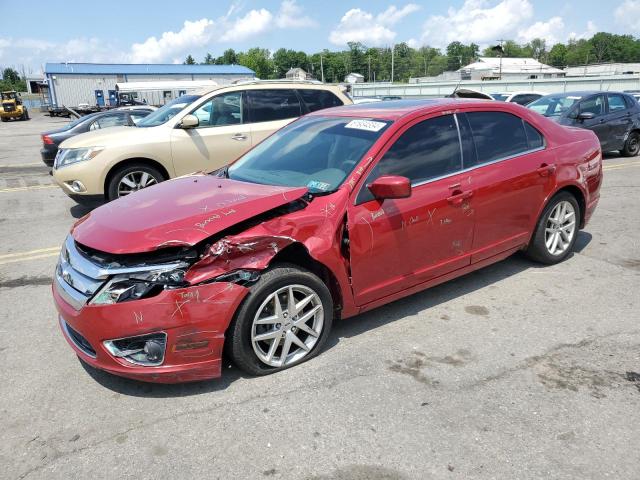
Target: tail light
column 46, row 139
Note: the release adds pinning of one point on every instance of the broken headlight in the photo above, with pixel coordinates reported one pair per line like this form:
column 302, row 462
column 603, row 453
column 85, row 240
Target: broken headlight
column 134, row 286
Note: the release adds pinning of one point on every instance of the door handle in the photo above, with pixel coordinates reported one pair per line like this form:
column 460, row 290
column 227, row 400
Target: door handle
column 459, row 197
column 546, row 170
column 239, row 136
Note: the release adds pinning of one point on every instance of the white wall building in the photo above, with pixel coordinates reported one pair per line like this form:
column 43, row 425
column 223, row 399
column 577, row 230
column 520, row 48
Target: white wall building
column 599, row 69
column 72, row 84
column 354, row 78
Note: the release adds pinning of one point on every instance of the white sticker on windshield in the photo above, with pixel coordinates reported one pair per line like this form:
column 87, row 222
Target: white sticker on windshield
column 319, row 185
column 368, row 125
column 570, row 97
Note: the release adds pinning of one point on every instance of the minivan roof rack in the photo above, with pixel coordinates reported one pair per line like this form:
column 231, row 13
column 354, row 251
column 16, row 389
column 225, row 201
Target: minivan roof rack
column 285, row 80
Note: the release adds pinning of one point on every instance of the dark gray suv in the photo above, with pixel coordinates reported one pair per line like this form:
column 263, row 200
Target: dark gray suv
column 613, row 116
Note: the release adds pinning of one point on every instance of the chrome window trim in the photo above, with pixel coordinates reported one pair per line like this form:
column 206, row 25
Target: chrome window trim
column 465, row 170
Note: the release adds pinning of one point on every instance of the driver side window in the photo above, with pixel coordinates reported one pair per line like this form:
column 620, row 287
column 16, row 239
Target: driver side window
column 593, row 105
column 225, row 109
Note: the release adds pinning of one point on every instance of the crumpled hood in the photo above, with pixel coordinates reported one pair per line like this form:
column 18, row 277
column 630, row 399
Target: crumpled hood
column 179, row 212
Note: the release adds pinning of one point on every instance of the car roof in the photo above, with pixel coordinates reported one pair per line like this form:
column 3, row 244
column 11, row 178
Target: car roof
column 395, row 109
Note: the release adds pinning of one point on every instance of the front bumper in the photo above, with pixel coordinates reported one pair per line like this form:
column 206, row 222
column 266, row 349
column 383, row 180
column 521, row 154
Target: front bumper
column 194, row 319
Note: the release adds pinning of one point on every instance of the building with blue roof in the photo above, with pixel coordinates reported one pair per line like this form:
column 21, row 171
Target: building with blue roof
column 72, row 84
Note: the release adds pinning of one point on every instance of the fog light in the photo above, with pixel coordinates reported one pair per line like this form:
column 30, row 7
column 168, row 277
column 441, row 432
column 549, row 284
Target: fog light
column 77, row 186
column 145, row 350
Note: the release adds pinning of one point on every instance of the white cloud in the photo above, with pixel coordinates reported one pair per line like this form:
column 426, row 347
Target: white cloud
column 477, row 21
column 192, row 34
column 361, row 26
column 292, row 16
column 627, row 14
column 253, row 23
column 591, row 30
column 548, row 31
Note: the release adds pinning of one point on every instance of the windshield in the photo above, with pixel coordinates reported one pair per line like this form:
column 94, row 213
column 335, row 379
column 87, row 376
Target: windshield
column 502, row 97
column 314, row 152
column 168, row 111
column 554, row 105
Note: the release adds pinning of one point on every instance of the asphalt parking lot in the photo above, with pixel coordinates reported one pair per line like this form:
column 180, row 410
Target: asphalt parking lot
column 515, row 371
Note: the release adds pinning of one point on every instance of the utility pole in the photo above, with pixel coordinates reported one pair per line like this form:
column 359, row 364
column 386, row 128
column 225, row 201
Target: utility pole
column 501, row 51
column 321, row 69
column 393, row 47
column 369, row 75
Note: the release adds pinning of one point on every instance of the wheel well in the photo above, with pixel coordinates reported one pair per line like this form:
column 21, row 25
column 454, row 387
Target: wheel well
column 131, row 161
column 297, row 254
column 579, row 196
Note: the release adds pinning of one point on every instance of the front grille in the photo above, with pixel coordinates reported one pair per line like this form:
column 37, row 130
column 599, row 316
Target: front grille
column 79, row 341
column 8, row 107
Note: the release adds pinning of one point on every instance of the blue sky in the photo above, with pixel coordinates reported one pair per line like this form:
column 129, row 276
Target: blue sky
column 162, row 31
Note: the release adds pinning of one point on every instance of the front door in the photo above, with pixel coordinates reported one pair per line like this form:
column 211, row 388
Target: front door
column 221, row 136
column 399, row 243
column 113, row 98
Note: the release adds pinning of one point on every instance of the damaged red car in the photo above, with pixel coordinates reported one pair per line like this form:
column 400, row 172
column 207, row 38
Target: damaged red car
column 339, row 212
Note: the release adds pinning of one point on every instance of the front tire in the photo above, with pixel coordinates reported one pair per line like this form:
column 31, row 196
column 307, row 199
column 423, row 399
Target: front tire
column 284, row 321
column 132, row 178
column 632, row 145
column 556, row 231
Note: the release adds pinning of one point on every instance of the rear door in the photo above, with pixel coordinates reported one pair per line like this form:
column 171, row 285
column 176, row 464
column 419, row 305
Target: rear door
column 510, row 173
column 619, row 120
column 222, row 135
column 399, row 243
column 271, row 109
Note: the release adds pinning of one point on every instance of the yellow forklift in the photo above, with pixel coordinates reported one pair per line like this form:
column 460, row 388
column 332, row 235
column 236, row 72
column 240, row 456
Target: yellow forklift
column 12, row 107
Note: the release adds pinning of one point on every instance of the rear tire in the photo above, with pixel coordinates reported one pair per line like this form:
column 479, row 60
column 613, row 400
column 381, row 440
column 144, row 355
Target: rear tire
column 257, row 317
column 556, row 231
column 632, row 145
column 131, row 178
column 4, row 119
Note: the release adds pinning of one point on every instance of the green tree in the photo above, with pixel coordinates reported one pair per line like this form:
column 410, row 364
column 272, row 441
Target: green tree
column 229, row 57
column 558, row 55
column 258, row 60
column 189, row 60
column 208, row 59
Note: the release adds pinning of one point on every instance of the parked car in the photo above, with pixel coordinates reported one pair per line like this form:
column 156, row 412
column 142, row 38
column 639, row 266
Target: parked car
column 52, row 139
column 613, row 116
column 188, row 134
column 339, row 212
column 521, row 98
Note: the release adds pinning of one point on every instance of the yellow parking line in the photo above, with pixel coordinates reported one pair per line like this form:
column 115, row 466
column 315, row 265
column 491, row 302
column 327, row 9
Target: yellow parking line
column 13, row 165
column 30, row 252
column 24, row 259
column 620, row 165
column 24, row 189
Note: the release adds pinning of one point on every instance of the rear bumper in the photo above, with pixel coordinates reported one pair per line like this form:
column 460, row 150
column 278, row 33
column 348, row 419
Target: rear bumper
column 194, row 319
column 48, row 155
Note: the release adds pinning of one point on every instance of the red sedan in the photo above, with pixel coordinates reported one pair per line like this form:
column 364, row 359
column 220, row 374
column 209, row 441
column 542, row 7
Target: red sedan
column 339, row 212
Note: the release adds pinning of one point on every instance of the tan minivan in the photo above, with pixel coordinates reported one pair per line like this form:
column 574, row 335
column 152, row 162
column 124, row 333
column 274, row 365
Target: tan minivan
column 191, row 133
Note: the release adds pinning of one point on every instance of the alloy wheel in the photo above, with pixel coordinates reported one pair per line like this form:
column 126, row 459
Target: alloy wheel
column 634, row 145
column 135, row 181
column 560, row 228
column 287, row 325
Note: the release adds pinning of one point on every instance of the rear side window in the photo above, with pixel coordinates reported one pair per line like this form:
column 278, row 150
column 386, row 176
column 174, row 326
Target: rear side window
column 270, row 105
column 428, row 150
column 534, row 137
column 109, row 121
column 497, row 135
column 616, row 103
column 319, row 99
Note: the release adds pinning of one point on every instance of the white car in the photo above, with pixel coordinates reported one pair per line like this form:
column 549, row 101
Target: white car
column 521, row 98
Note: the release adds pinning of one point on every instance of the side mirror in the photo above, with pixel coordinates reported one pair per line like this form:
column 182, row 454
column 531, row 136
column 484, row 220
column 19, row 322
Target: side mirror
column 189, row 121
column 586, row 115
column 390, row 186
